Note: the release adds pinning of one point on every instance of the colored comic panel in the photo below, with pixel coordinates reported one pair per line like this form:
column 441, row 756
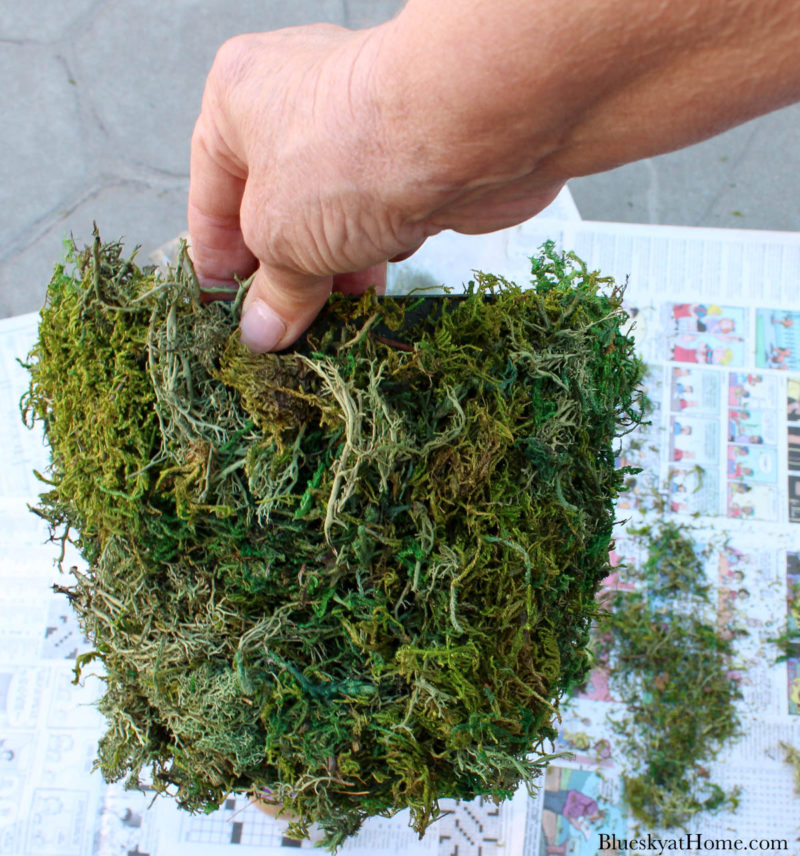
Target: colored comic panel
column 694, row 390
column 730, row 571
column 752, row 501
column 793, row 631
column 793, row 400
column 757, row 464
column 793, row 684
column 578, row 806
column 706, row 334
column 752, row 426
column 751, row 389
column 793, row 447
column 694, row 490
column 693, row 440
column 778, row 339
column 794, row 499
column 793, row 595
column 731, row 609
column 734, row 609
column 793, row 424
column 588, row 750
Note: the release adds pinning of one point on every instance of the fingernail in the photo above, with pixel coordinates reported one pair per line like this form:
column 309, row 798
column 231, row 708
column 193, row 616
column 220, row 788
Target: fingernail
column 261, row 329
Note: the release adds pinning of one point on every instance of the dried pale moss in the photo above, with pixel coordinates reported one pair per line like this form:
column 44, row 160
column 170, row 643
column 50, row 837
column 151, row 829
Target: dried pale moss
column 671, row 668
column 353, row 577
column 792, row 757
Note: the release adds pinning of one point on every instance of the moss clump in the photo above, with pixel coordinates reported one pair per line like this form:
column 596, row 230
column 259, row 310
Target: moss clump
column 671, row 668
column 352, row 577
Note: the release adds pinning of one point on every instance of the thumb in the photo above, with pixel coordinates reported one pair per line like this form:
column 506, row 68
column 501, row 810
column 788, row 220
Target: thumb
column 279, row 307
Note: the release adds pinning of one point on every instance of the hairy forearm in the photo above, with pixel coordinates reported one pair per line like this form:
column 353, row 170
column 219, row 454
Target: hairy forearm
column 487, row 91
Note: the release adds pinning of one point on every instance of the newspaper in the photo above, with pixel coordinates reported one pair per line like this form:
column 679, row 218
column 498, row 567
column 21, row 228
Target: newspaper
column 717, row 318
column 728, row 391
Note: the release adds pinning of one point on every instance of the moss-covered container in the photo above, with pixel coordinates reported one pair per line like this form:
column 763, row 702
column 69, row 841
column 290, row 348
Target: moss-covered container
column 353, row 577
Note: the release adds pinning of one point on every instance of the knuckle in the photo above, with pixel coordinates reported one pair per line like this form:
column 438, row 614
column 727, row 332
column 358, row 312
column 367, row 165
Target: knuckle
column 231, row 61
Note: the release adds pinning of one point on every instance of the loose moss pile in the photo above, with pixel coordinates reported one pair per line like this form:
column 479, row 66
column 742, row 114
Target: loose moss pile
column 352, row 577
column 670, row 667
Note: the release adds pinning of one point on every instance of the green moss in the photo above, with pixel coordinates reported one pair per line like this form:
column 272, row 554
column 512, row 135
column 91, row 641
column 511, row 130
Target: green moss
column 355, row 576
column 670, row 667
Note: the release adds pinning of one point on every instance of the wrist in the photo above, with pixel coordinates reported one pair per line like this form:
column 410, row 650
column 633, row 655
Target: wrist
column 457, row 127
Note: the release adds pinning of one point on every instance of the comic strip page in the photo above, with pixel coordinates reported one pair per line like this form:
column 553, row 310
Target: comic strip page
column 717, row 318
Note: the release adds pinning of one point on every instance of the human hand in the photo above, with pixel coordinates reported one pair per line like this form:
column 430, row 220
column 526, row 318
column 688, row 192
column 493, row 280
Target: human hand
column 321, row 152
column 288, row 178
column 309, row 167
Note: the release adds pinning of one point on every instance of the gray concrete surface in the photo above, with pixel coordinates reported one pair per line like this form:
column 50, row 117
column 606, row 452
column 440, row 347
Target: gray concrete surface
column 746, row 178
column 99, row 98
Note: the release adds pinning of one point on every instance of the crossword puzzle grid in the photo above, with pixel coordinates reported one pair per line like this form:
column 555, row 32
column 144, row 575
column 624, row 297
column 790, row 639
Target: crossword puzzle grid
column 470, row 829
column 465, row 829
column 230, row 825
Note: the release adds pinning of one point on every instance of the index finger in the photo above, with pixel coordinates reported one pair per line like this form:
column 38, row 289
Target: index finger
column 216, row 186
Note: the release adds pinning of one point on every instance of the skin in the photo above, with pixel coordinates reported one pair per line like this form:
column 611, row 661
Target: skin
column 320, row 153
